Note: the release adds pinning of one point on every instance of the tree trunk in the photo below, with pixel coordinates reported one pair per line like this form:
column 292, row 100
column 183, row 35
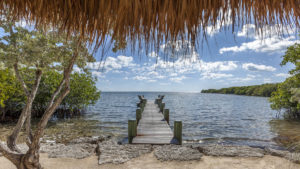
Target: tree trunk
column 31, row 159
column 3, row 111
column 26, row 112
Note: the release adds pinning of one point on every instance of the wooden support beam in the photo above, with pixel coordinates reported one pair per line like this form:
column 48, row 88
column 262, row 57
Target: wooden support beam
column 132, row 126
column 162, row 106
column 166, row 115
column 138, row 115
column 178, row 131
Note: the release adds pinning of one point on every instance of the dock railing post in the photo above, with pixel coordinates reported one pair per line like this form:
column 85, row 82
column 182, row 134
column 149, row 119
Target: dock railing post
column 159, row 102
column 138, row 115
column 162, row 106
column 178, row 131
column 166, row 115
column 132, row 126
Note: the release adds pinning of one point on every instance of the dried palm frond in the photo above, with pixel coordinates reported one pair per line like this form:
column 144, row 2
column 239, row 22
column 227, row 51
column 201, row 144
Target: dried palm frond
column 152, row 21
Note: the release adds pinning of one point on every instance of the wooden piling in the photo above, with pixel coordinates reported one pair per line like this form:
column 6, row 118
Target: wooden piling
column 158, row 101
column 132, row 126
column 178, row 131
column 166, row 115
column 162, row 106
column 138, row 115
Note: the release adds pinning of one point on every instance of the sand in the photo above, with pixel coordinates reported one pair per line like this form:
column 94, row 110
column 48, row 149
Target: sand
column 148, row 161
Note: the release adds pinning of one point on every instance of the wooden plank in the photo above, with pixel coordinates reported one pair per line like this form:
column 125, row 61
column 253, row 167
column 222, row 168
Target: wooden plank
column 152, row 127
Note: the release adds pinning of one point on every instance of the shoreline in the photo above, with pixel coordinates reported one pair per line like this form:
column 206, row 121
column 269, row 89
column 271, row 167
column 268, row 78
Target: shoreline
column 107, row 152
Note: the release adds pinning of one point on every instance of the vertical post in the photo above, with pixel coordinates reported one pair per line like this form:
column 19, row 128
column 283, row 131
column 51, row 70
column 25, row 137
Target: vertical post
column 138, row 115
column 178, row 131
column 162, row 106
column 166, row 115
column 159, row 102
column 131, row 130
column 142, row 106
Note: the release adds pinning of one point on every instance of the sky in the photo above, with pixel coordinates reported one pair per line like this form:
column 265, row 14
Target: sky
column 227, row 59
column 239, row 58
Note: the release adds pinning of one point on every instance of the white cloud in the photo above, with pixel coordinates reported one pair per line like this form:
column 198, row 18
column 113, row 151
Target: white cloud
column 256, row 67
column 98, row 74
column 212, row 30
column 112, row 63
column 177, row 79
column 266, row 40
column 285, row 75
column 248, row 30
column 22, row 23
column 274, row 44
column 153, row 73
column 77, row 69
column 152, row 80
column 208, row 75
column 160, row 77
column 268, row 80
column 242, row 79
column 179, row 67
column 140, row 78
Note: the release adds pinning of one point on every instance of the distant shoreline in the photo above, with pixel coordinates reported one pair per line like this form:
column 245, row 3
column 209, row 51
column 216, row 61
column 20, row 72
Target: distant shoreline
column 264, row 90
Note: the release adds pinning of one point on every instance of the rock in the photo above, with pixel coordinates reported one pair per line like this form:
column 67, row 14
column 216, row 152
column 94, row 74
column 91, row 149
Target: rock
column 90, row 140
column 294, row 157
column 111, row 152
column 176, row 152
column 78, row 151
column 274, row 152
column 230, row 151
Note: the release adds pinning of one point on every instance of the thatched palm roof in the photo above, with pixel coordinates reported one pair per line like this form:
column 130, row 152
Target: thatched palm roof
column 151, row 20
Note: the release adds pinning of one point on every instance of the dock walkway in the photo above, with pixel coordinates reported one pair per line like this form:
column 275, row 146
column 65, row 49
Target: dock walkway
column 152, row 127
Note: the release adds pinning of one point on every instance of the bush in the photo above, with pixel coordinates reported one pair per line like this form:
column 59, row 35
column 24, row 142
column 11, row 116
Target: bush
column 83, row 93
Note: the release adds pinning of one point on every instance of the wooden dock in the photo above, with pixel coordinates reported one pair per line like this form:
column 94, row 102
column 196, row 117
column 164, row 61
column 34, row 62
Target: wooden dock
column 151, row 125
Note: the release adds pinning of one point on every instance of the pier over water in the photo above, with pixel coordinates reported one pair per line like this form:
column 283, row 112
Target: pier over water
column 152, row 124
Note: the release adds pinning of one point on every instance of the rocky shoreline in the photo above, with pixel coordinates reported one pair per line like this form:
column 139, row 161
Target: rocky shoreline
column 109, row 150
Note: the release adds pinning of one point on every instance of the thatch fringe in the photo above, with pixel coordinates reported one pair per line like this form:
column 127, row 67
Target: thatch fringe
column 152, row 21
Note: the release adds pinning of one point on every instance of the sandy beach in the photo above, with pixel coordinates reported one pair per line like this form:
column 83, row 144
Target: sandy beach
column 148, row 161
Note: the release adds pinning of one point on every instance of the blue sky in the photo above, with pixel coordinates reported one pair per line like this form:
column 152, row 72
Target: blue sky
column 243, row 57
column 227, row 59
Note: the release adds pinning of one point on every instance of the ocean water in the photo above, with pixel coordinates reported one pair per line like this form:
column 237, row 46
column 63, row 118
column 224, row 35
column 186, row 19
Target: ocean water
column 207, row 118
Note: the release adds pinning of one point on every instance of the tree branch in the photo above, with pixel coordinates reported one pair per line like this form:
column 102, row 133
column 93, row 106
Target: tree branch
column 26, row 114
column 15, row 158
column 38, row 76
column 52, row 106
column 23, row 84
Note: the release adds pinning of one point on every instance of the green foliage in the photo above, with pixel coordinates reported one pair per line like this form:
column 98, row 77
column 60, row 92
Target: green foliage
column 287, row 95
column 83, row 92
column 36, row 49
column 28, row 51
column 281, row 98
column 11, row 94
column 7, row 86
column 292, row 55
column 264, row 90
